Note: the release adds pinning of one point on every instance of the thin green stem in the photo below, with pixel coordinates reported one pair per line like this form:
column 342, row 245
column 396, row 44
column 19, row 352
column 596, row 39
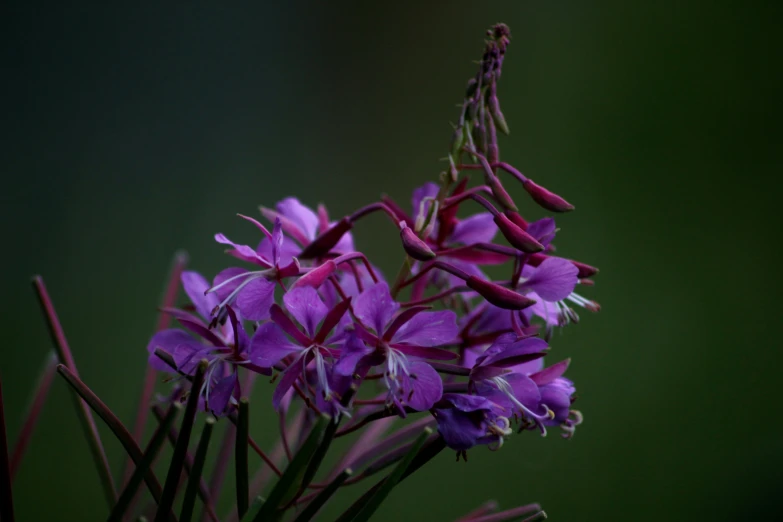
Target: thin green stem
column 194, row 479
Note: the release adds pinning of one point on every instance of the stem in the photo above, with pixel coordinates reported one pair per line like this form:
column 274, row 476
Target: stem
column 194, row 480
column 169, row 296
column 325, row 494
column 181, row 448
column 39, row 398
column 257, row 448
column 509, row 514
column 241, row 466
column 86, row 419
column 116, row 426
column 6, row 494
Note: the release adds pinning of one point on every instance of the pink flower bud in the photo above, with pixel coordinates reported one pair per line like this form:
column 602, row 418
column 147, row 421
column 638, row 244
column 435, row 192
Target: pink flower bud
column 498, row 295
column 413, row 245
column 518, row 238
column 317, row 276
column 548, row 200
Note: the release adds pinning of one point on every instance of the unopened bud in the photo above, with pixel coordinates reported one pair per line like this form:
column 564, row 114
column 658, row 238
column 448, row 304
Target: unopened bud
column 498, row 295
column 501, row 196
column 327, row 240
column 317, row 276
column 413, row 245
column 516, row 236
column 517, row 219
column 548, row 200
column 457, row 142
column 497, row 115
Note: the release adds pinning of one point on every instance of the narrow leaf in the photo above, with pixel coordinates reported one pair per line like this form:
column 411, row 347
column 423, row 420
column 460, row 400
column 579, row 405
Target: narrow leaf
column 241, row 458
column 255, row 507
column 288, row 484
column 181, row 448
column 155, row 443
column 194, row 479
column 374, row 502
column 114, row 424
column 86, row 419
column 317, row 503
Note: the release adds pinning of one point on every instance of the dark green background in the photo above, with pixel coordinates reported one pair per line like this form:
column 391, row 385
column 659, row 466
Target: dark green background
column 131, row 132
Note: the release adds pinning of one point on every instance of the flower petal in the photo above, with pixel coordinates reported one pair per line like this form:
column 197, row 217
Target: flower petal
column 220, row 394
column 255, row 299
column 554, row 279
column 195, row 285
column 480, row 228
column 430, row 190
column 269, row 345
column 375, row 307
column 166, row 340
column 304, row 218
column 242, row 252
column 306, row 306
column 422, row 387
column 428, row 329
column 287, row 380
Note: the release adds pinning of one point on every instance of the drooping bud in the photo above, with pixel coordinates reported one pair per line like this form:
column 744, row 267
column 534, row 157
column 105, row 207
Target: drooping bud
column 517, row 219
column 413, row 245
column 516, row 236
column 497, row 115
column 317, row 276
column 548, row 200
column 498, row 295
column 501, row 196
column 327, row 240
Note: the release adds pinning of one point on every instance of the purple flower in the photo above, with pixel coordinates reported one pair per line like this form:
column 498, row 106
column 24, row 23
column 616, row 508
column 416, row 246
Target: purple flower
column 253, row 292
column 304, row 349
column 393, row 339
column 467, row 420
column 225, row 348
column 303, row 225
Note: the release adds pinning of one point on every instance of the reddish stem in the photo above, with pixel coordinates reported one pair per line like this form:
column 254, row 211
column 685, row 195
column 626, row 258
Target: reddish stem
column 6, row 495
column 39, row 399
column 169, row 296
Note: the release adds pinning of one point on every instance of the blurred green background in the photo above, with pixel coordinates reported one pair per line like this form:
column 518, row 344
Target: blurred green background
column 130, row 132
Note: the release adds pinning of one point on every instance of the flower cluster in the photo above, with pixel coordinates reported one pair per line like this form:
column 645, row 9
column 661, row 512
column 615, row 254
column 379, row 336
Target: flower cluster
column 308, row 307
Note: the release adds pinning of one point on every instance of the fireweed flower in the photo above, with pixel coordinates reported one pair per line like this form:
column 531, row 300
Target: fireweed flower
column 443, row 340
column 309, row 348
column 400, row 342
column 225, row 348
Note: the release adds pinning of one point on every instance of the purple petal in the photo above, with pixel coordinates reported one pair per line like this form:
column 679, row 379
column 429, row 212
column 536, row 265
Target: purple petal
column 305, row 219
column 460, row 430
column 428, row 329
column 550, row 374
column 306, row 306
column 525, row 390
column 515, row 349
column 554, row 279
column 345, row 245
column 255, row 299
column 543, row 230
column 188, row 355
column 195, row 285
column 468, row 402
column 269, row 345
column 286, row 251
column 287, row 380
column 427, row 190
column 426, row 352
column 422, row 387
column 557, row 397
column 375, row 307
column 224, row 291
column 220, row 394
column 352, row 352
column 166, row 340
column 242, row 252
column 480, row 228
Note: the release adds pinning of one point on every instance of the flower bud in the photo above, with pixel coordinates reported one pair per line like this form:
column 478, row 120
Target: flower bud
column 501, row 196
column 548, row 200
column 498, row 295
column 413, row 245
column 317, row 276
column 457, row 141
column 497, row 116
column 516, row 236
column 517, row 219
column 327, row 240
